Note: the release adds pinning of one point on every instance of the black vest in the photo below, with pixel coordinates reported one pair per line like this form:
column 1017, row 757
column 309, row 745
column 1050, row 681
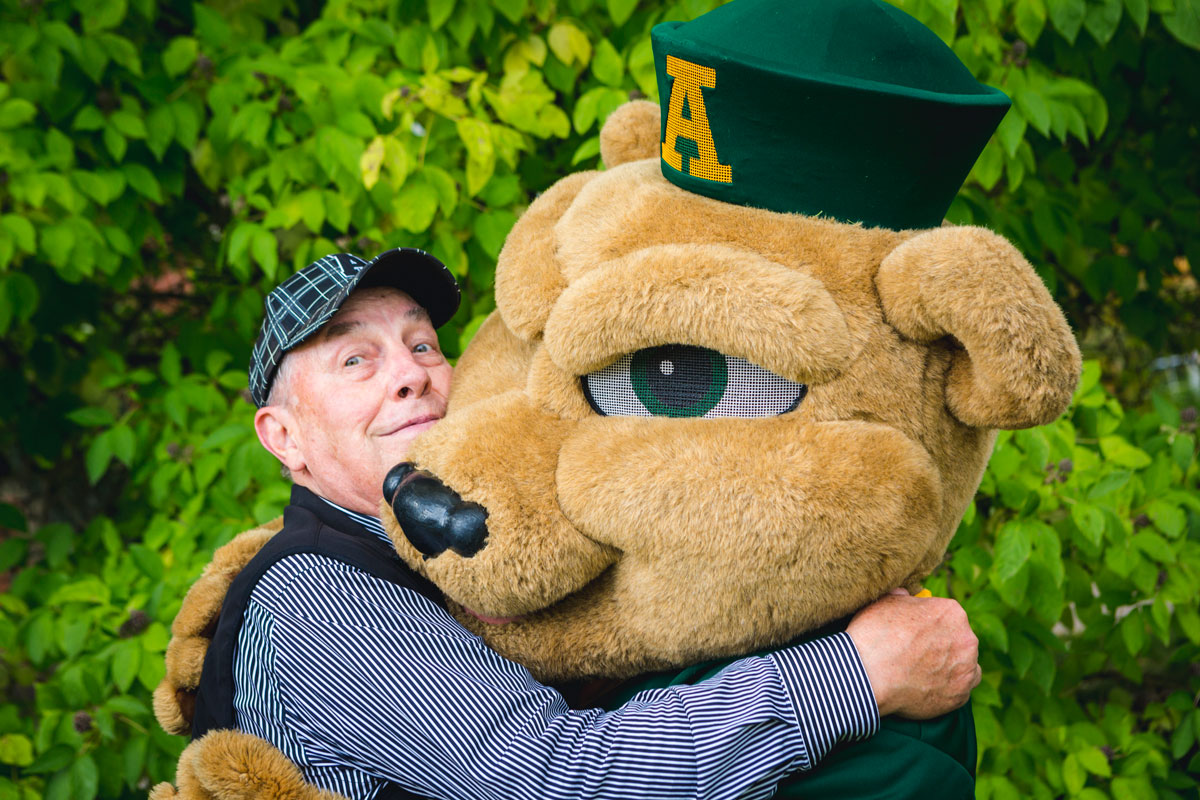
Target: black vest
column 307, row 528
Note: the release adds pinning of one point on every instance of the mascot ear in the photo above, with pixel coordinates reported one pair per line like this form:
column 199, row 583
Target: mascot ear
column 1020, row 363
column 631, row 133
column 528, row 277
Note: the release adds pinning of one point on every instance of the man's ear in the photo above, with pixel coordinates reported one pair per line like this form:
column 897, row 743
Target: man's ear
column 276, row 427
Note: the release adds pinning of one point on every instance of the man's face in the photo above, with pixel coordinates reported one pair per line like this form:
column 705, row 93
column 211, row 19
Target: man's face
column 360, row 390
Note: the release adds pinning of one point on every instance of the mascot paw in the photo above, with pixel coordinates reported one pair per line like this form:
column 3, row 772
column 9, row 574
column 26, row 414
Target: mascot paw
column 175, row 697
column 230, row 765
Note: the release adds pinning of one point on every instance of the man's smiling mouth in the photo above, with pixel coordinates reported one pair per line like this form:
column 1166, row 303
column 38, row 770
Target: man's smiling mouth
column 421, row 420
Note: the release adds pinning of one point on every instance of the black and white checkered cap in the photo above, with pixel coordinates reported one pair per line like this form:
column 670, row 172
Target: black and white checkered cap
column 299, row 306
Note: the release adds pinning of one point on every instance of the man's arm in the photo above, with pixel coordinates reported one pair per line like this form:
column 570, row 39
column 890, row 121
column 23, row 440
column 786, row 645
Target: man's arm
column 377, row 677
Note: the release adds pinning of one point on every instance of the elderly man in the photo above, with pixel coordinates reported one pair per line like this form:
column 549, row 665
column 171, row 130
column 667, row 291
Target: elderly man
column 333, row 650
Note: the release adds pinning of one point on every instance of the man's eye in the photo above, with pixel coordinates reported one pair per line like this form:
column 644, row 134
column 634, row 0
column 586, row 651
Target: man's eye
column 678, row 380
column 353, row 361
column 423, row 348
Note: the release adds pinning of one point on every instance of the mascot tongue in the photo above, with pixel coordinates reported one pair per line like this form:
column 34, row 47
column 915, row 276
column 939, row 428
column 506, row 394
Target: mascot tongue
column 490, row 620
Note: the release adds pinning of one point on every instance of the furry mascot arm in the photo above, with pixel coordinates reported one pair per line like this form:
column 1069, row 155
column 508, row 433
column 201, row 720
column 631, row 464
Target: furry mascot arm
column 224, row 765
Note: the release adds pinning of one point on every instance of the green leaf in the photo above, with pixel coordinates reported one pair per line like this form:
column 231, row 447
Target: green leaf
column 1167, row 517
column 122, row 52
column 1184, row 22
column 115, row 143
column 98, row 456
column 187, row 124
column 89, row 118
column 1073, row 774
column 265, row 250
column 1090, row 521
column 21, row 230
column 1133, row 633
column 180, row 55
column 170, row 364
column 491, row 228
column 1034, row 108
column 370, row 164
column 990, row 166
column 1139, row 12
column 1067, row 16
column 99, row 15
column 1154, row 546
column 16, row 749
column 15, row 112
column 415, row 205
column 312, row 209
column 1120, row 452
column 90, row 417
column 439, row 12
column 143, row 182
column 1095, row 762
column 513, row 10
column 127, row 659
column 1014, row 544
column 85, row 779
column 1030, row 18
column 211, row 28
column 569, row 44
column 1109, row 484
column 608, row 66
column 128, row 124
column 620, row 10
column 73, row 635
column 1183, row 449
column 1102, row 19
column 1189, row 621
column 160, row 130
column 1181, row 741
column 123, row 444
column 52, row 760
column 589, row 149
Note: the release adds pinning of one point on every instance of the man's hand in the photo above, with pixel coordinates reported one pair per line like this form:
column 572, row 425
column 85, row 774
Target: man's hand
column 920, row 654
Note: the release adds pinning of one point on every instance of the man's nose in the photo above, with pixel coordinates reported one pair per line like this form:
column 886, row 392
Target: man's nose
column 410, row 378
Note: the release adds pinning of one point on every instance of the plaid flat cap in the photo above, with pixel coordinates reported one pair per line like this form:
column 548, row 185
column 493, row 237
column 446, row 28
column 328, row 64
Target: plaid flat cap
column 298, row 307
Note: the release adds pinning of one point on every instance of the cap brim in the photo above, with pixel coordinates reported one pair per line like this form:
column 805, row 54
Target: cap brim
column 419, row 275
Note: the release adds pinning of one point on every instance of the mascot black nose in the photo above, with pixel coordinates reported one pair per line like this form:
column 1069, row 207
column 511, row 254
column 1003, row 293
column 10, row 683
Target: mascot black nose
column 432, row 515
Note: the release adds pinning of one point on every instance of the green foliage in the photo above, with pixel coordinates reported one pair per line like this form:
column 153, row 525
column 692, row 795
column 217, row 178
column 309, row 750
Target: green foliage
column 1078, row 565
column 162, row 165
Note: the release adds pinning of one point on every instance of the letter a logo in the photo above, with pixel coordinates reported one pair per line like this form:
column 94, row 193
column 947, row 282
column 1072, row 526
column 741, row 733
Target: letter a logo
column 687, row 120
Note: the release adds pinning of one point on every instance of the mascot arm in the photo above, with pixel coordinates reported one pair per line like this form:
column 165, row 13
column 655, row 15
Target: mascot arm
column 195, row 624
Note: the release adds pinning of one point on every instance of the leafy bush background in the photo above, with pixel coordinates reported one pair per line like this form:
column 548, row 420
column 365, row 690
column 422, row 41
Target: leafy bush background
column 162, row 165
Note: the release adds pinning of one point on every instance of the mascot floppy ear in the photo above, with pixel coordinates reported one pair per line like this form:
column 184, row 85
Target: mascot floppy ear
column 1019, row 363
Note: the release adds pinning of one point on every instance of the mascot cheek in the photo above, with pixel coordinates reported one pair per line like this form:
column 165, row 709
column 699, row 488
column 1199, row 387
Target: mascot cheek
column 807, row 520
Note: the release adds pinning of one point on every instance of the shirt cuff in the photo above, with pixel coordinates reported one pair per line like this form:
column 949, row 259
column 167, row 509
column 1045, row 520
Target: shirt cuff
column 830, row 692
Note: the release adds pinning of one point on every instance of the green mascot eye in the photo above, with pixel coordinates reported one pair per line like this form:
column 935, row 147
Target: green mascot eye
column 679, row 380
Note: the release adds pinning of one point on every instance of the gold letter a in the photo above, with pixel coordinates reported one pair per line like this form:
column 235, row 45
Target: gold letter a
column 689, row 79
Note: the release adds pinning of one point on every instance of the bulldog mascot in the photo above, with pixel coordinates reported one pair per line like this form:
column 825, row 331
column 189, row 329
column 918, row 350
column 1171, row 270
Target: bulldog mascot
column 738, row 384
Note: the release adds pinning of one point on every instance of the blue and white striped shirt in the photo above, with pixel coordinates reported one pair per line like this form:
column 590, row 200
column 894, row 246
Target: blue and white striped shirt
column 361, row 682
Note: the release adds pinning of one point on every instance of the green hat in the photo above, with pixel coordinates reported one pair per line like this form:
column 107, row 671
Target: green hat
column 849, row 109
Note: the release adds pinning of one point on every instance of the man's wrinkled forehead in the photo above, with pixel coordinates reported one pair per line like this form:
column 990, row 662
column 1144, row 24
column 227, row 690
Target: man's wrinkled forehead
column 345, row 322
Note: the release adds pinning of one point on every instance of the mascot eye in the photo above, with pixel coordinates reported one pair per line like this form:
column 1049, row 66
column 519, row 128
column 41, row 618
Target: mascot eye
column 679, row 380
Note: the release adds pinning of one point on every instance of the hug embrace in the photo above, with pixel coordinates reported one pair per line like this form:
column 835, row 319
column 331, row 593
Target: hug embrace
column 666, row 533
